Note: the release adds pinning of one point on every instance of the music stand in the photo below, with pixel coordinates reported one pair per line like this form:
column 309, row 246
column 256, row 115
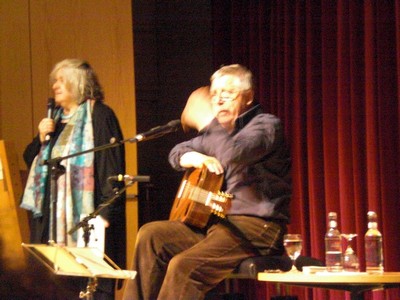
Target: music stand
column 83, row 261
column 80, row 262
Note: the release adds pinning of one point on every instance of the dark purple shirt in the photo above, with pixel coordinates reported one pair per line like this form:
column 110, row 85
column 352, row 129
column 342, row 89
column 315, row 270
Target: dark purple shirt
column 256, row 161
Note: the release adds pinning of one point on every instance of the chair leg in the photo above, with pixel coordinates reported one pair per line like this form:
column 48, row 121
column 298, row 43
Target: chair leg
column 231, row 290
column 228, row 286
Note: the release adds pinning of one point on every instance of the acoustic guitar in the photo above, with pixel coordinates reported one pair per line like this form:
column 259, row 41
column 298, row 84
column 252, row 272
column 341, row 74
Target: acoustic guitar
column 199, row 197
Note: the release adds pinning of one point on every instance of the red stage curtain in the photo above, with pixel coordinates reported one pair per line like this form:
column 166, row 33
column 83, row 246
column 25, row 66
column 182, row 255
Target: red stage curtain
column 330, row 70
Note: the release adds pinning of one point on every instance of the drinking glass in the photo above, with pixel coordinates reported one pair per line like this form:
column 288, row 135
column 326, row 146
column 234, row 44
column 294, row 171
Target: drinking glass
column 350, row 259
column 293, row 245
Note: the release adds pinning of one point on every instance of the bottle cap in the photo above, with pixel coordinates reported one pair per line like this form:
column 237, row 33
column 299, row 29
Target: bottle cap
column 332, row 216
column 372, row 216
column 332, row 219
column 372, row 220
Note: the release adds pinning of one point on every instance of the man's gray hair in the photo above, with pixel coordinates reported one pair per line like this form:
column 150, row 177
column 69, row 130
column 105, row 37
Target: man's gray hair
column 245, row 76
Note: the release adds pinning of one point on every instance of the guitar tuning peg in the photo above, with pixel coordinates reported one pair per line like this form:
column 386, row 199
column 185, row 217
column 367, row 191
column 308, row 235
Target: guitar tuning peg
column 225, row 195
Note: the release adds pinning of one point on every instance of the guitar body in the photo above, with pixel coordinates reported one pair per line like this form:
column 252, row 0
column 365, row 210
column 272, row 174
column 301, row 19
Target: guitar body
column 196, row 184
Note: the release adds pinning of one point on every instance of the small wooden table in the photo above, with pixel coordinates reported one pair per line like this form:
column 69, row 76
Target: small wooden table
column 355, row 283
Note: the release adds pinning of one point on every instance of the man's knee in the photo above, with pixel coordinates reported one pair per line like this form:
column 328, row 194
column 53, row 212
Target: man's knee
column 150, row 231
column 180, row 264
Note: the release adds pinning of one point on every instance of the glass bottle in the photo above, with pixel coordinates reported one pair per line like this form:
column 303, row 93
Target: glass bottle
column 333, row 245
column 373, row 246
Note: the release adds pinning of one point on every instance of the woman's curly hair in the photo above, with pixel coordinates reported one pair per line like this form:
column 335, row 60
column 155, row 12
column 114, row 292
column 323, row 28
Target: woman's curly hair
column 80, row 79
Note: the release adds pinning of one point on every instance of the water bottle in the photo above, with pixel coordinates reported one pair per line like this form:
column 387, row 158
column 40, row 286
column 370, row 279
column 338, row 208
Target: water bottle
column 373, row 246
column 333, row 245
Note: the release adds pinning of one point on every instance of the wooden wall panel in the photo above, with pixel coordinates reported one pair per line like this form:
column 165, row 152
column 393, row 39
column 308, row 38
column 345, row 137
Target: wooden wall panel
column 15, row 75
column 36, row 34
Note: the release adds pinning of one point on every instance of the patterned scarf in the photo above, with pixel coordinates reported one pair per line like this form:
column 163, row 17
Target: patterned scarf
column 75, row 188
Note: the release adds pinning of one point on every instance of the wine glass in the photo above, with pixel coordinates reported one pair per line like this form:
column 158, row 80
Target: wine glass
column 293, row 245
column 350, row 259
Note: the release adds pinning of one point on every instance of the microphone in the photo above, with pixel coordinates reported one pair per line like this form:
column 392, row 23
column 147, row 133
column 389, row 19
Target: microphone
column 51, row 104
column 158, row 131
column 121, row 177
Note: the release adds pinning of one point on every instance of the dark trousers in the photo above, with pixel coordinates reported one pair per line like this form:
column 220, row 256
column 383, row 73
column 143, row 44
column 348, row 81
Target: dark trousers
column 175, row 261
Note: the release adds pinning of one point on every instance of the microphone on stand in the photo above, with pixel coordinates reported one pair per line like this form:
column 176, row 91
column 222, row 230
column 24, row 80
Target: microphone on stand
column 158, row 131
column 51, row 104
column 121, row 177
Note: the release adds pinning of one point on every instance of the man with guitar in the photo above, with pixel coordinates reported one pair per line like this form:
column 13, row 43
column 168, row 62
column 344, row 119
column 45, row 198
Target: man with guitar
column 242, row 150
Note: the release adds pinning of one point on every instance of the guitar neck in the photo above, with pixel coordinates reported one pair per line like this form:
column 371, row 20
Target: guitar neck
column 199, row 195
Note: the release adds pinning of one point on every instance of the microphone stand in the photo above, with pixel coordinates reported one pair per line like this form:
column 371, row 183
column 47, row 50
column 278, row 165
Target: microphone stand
column 56, row 170
column 84, row 224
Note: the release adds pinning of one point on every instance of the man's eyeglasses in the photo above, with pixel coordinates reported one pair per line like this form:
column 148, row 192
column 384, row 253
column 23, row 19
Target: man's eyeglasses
column 224, row 96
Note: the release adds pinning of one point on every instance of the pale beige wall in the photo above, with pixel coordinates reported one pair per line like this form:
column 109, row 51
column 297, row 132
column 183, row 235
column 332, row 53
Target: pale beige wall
column 35, row 34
